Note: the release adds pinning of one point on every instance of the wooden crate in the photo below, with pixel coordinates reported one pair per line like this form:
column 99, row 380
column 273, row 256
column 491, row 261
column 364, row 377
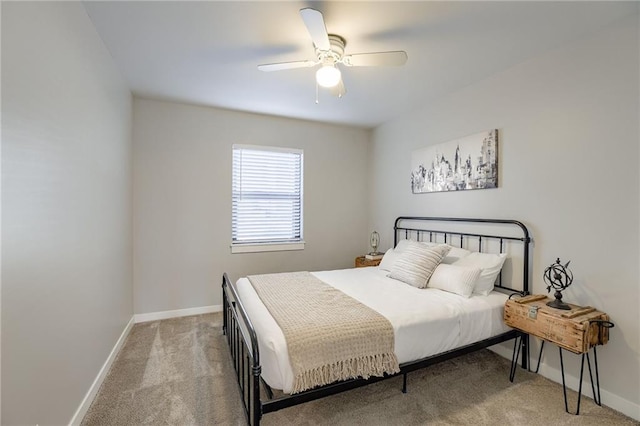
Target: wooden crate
column 362, row 261
column 568, row 329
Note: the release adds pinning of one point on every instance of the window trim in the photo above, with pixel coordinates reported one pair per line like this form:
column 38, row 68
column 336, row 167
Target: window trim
column 265, row 247
column 271, row 246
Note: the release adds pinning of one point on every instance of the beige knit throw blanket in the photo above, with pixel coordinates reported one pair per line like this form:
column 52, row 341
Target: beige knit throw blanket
column 330, row 336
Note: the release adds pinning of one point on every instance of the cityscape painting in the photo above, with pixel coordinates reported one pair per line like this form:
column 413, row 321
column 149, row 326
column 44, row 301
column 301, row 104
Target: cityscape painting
column 466, row 163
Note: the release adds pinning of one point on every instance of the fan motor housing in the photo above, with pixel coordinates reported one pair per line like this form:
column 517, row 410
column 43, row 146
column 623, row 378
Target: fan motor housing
column 336, row 52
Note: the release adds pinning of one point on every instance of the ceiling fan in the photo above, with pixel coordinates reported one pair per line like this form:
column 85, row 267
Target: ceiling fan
column 330, row 53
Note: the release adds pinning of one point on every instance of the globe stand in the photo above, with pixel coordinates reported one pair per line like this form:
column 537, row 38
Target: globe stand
column 558, row 303
column 558, row 277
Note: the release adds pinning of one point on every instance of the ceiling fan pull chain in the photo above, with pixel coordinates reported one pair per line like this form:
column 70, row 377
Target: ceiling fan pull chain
column 317, row 101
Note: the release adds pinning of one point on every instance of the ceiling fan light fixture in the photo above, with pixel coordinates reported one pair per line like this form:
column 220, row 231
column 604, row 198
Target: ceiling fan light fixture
column 328, row 76
column 329, row 49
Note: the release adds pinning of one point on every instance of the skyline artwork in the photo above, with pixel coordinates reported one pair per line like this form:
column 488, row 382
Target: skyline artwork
column 461, row 164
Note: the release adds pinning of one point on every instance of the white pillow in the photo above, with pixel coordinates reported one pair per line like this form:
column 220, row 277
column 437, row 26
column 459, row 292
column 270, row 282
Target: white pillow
column 417, row 262
column 490, row 266
column 402, row 245
column 455, row 254
column 454, row 279
column 388, row 260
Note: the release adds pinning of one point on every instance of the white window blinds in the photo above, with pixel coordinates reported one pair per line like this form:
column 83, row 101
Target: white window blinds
column 266, row 195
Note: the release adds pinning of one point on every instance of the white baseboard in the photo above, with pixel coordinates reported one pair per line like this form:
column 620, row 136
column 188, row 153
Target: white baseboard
column 95, row 386
column 611, row 400
column 155, row 316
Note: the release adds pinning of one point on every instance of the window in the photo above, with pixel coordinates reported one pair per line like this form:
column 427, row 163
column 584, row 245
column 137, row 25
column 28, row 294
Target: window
column 267, row 194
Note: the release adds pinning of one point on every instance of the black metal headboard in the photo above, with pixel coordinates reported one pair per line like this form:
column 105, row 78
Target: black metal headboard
column 472, row 234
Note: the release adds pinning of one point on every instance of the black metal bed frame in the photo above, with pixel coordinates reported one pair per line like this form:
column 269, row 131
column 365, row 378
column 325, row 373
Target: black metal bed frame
column 243, row 343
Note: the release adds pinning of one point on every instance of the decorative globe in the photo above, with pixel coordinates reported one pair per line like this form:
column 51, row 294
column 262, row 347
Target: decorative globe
column 558, row 277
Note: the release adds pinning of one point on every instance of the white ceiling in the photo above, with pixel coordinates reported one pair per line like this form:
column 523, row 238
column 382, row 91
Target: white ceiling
column 206, row 52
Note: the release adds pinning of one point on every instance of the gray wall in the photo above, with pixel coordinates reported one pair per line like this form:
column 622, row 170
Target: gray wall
column 568, row 169
column 182, row 200
column 66, row 200
column 569, row 155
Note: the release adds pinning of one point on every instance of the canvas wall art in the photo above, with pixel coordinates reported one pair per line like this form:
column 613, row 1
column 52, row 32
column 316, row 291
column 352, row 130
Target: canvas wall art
column 470, row 162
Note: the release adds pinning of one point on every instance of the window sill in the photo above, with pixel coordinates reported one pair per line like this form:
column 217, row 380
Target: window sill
column 256, row 248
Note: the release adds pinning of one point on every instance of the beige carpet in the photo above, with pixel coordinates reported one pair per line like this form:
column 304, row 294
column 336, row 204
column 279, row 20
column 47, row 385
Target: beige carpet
column 179, row 372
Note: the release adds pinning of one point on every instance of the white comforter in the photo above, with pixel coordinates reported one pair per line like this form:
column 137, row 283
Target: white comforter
column 425, row 321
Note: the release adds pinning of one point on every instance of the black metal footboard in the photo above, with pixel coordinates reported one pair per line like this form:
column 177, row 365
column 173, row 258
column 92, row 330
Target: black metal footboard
column 243, row 343
column 243, row 346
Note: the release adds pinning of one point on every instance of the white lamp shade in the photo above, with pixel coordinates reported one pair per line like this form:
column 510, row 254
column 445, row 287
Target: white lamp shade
column 328, row 76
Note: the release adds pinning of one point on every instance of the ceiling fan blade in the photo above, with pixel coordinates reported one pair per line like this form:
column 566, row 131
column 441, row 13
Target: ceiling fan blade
column 338, row 90
column 315, row 25
column 378, row 59
column 286, row 65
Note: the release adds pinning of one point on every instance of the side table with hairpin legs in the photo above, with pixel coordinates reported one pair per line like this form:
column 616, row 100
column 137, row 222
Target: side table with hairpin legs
column 578, row 330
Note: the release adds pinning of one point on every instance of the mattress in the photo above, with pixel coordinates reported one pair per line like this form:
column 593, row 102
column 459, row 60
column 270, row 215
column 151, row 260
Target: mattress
column 425, row 321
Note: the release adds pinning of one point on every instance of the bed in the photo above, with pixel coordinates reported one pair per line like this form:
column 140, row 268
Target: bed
column 455, row 323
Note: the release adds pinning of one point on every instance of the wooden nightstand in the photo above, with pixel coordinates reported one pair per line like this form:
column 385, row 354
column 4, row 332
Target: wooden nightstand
column 362, row 261
column 577, row 330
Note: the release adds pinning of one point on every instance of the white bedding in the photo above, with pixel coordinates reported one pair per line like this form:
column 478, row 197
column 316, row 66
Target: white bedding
column 425, row 321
